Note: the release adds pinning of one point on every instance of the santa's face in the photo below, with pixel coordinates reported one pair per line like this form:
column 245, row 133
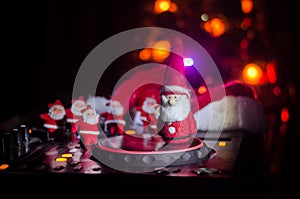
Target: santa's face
column 116, row 108
column 174, row 107
column 90, row 116
column 77, row 106
column 57, row 112
column 149, row 105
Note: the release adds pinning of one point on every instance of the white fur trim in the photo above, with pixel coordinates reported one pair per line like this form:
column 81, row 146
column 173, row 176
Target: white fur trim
column 51, row 126
column 89, row 132
column 175, row 88
column 232, row 113
column 72, row 120
column 115, row 121
column 153, row 126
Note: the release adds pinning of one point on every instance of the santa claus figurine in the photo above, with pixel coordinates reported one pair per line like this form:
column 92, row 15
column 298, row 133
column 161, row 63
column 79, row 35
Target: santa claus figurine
column 73, row 114
column 114, row 122
column 180, row 125
column 88, row 128
column 146, row 115
column 175, row 110
column 54, row 120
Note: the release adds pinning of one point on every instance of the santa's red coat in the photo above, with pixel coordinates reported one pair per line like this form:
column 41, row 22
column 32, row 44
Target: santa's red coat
column 52, row 124
column 115, row 120
column 88, row 133
column 72, row 119
column 184, row 130
column 148, row 119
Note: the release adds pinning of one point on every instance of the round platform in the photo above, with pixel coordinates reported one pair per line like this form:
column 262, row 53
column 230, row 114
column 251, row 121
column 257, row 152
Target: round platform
column 154, row 155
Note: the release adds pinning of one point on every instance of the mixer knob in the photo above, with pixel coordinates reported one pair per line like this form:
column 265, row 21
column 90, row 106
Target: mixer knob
column 205, row 171
column 167, row 170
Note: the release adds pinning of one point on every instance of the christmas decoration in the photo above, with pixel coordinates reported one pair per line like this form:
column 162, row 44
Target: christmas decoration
column 54, row 120
column 98, row 103
column 88, row 128
column 242, row 108
column 114, row 122
column 146, row 116
column 73, row 114
column 175, row 111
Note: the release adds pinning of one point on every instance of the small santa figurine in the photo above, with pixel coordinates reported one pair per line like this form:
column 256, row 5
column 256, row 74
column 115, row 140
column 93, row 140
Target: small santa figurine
column 114, row 122
column 146, row 115
column 88, row 128
column 180, row 125
column 54, row 120
column 73, row 114
column 175, row 110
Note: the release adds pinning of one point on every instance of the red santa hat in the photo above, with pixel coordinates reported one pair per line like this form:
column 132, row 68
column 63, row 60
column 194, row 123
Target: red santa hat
column 175, row 81
column 240, row 106
column 57, row 102
column 79, row 98
column 231, row 88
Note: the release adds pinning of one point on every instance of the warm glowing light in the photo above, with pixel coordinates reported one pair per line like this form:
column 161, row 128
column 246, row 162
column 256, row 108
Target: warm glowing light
column 66, row 155
column 173, row 8
column 188, row 62
column 145, row 54
column 271, row 73
column 61, row 159
column 4, row 166
column 285, row 114
column 161, row 50
column 247, row 6
column 29, row 131
column 215, row 27
column 202, row 89
column 246, row 23
column 130, row 132
column 222, row 144
column 161, row 6
column 277, row 91
column 252, row 74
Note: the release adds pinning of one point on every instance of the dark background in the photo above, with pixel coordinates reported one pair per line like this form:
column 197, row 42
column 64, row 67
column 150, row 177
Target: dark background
column 44, row 43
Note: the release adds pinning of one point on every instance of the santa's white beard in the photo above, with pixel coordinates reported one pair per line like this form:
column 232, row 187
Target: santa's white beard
column 177, row 112
column 56, row 116
column 91, row 119
column 76, row 110
column 148, row 109
column 117, row 111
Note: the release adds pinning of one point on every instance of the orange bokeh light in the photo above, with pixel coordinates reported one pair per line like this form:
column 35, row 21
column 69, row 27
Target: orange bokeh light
column 247, row 6
column 145, row 54
column 161, row 50
column 215, row 27
column 252, row 74
column 202, row 89
column 161, row 6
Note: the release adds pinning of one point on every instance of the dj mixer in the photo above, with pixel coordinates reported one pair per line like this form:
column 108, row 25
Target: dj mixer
column 226, row 161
